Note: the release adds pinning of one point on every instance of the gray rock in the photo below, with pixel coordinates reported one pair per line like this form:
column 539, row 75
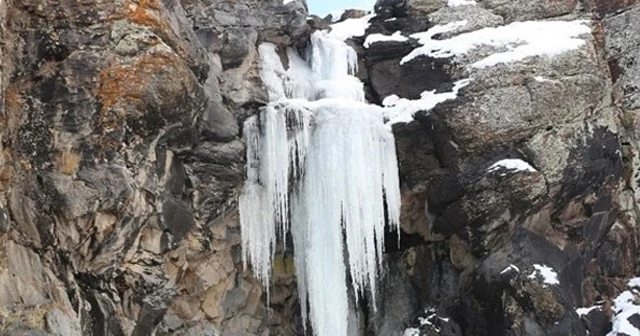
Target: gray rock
column 622, row 41
column 60, row 324
column 176, row 218
column 523, row 10
column 477, row 17
column 415, row 8
column 121, row 163
column 219, row 124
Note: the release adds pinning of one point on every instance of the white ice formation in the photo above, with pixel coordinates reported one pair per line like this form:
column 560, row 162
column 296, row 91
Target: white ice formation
column 321, row 165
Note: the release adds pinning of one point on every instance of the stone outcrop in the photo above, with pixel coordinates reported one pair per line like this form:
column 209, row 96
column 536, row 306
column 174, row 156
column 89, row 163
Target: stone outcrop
column 571, row 116
column 121, row 162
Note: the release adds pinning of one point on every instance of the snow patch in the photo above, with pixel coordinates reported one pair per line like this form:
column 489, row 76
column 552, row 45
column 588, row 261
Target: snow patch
column 542, row 79
column 456, row 3
column 585, row 311
column 350, row 28
column 429, row 320
column 521, row 39
column 411, row 332
column 634, row 283
column 626, row 305
column 511, row 165
column 374, row 38
column 402, row 110
column 549, row 276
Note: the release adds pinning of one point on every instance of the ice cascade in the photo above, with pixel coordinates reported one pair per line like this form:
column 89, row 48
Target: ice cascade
column 321, row 164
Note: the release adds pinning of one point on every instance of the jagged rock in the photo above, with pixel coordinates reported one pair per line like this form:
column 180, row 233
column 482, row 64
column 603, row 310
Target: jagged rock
column 317, row 23
column 415, row 8
column 353, row 14
column 622, row 40
column 610, row 7
column 121, row 161
column 520, row 10
column 121, row 117
column 562, row 213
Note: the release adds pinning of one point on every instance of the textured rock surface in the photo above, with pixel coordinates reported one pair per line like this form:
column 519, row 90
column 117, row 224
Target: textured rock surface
column 121, row 161
column 571, row 116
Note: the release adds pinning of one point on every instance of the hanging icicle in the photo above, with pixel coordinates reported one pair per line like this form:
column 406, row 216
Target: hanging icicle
column 321, row 164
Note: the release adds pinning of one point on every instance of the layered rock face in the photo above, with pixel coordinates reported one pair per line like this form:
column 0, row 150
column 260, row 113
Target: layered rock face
column 122, row 162
column 525, row 184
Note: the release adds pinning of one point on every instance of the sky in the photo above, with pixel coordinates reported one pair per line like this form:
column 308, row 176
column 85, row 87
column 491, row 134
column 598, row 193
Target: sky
column 323, row 7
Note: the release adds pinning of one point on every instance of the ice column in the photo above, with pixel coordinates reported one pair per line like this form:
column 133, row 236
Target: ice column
column 321, row 163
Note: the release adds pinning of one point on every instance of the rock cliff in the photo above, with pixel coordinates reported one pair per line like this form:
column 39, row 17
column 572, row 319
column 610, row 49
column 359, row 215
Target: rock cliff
column 122, row 159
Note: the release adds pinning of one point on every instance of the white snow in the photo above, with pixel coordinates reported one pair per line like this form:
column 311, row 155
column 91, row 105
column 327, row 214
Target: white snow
column 321, row 163
column 373, row 38
column 350, row 28
column 585, row 311
column 431, row 317
column 625, row 306
column 456, row 3
column 519, row 40
column 634, row 283
column 411, row 332
column 510, row 268
column 549, row 276
column 542, row 79
column 512, row 165
column 402, row 110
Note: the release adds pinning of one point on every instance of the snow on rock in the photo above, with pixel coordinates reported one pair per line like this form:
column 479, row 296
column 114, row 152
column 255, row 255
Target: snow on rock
column 541, row 79
column 429, row 321
column 456, row 3
column 585, row 311
column 402, row 110
column 321, row 163
column 350, row 28
column 549, row 276
column 374, row 38
column 520, row 39
column 626, row 306
column 511, row 165
column 411, row 332
column 634, row 283
column 510, row 268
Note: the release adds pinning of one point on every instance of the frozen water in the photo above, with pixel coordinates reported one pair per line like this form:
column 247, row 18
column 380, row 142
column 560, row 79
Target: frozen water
column 321, row 163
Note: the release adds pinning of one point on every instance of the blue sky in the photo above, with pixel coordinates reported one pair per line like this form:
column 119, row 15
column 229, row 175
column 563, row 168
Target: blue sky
column 323, row 7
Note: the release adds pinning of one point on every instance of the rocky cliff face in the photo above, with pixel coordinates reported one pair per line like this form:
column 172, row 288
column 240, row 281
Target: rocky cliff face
column 121, row 163
column 492, row 232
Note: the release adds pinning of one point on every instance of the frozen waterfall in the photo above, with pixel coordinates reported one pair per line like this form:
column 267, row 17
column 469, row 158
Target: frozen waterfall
column 321, row 164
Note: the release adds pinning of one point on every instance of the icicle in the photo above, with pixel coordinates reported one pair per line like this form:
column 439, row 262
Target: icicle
column 323, row 162
column 391, row 183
